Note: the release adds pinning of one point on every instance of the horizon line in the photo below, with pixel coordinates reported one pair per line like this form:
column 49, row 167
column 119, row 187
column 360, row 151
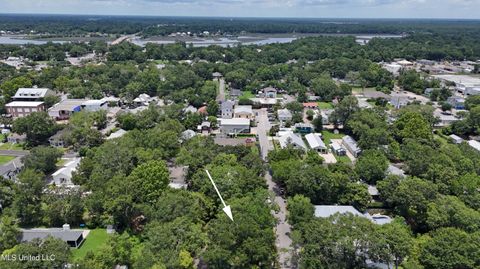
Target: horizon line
column 242, row 17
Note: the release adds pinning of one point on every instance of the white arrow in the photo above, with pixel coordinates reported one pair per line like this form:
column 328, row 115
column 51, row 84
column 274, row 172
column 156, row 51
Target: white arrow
column 226, row 208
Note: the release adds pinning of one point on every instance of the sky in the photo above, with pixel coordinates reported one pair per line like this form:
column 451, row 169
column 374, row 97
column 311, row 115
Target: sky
column 456, row 9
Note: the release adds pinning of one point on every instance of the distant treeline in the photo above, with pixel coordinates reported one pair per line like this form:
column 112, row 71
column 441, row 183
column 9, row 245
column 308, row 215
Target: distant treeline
column 151, row 26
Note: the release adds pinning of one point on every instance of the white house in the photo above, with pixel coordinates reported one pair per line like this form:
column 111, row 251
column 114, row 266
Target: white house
column 234, row 126
column 316, row 143
column 292, row 139
column 268, row 92
column 94, row 105
column 325, row 211
column 63, row 176
column 337, row 149
column 245, row 112
column 32, row 94
column 284, row 115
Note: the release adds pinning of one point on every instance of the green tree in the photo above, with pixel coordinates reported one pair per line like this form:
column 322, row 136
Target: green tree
column 409, row 198
column 449, row 211
column 394, row 242
column 9, row 233
column 318, row 124
column 371, row 166
column 212, row 108
column 28, row 196
column 412, row 125
column 300, row 209
column 43, row 159
column 38, row 127
column 450, row 248
column 57, row 251
column 149, row 180
column 346, row 108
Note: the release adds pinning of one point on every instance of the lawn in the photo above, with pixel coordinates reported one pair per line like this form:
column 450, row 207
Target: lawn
column 343, row 159
column 94, row 241
column 247, row 95
column 5, row 159
column 60, row 163
column 325, row 105
column 10, row 146
column 327, row 136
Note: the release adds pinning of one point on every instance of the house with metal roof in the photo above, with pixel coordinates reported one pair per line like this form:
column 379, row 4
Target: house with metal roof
column 32, row 94
column 474, row 144
column 338, row 149
column 351, row 145
column 65, row 109
column 234, row 126
column 292, row 139
column 456, row 139
column 316, row 143
column 325, row 211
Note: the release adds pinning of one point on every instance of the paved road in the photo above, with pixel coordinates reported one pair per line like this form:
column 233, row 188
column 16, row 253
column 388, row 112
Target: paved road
column 14, row 153
column 283, row 229
column 221, row 90
column 263, row 127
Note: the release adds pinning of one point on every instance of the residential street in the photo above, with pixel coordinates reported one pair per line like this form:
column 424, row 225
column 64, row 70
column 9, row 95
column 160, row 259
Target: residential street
column 221, row 90
column 14, row 153
column 283, row 229
column 263, row 127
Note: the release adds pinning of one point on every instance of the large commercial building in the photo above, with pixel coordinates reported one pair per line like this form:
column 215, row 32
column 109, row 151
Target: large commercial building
column 20, row 109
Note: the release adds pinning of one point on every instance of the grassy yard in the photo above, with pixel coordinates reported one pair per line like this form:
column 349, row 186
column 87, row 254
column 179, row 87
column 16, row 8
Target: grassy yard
column 10, row 146
column 5, row 159
column 327, row 136
column 94, row 241
column 247, row 95
column 60, row 163
column 325, row 105
column 343, row 159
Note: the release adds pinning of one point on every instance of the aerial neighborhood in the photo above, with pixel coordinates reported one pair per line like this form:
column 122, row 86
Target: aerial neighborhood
column 150, row 146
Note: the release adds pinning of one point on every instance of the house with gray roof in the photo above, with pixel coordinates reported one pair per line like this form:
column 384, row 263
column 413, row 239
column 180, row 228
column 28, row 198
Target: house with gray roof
column 32, row 94
column 351, row 145
column 74, row 238
column 284, row 115
column 11, row 169
column 316, row 143
column 227, row 109
column 292, row 139
column 456, row 139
